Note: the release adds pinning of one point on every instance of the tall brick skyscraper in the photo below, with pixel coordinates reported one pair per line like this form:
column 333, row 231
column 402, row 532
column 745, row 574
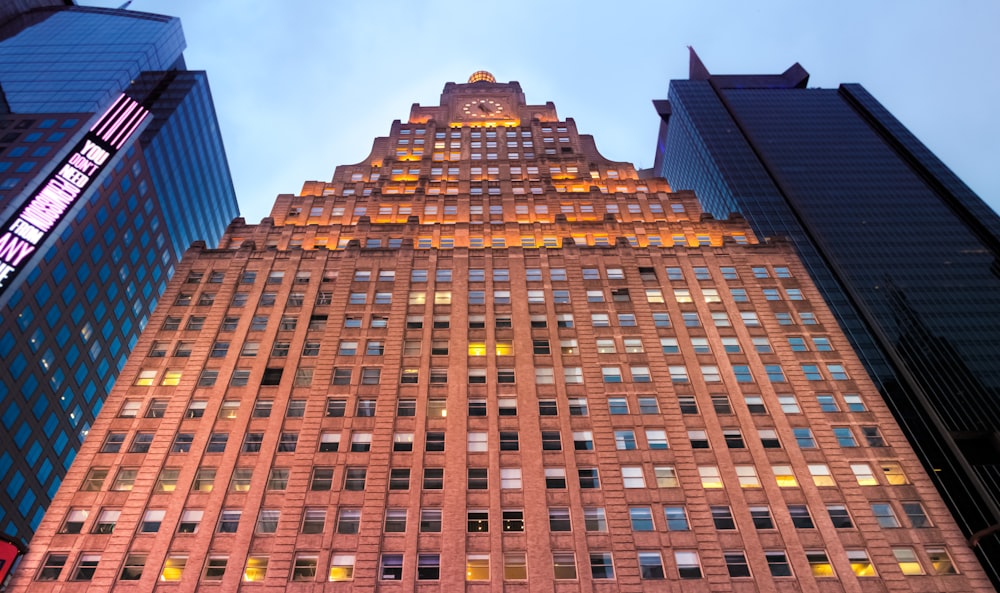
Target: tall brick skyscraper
column 484, row 357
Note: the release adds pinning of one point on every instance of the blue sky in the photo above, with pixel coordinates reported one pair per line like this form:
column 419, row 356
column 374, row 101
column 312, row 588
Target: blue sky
column 302, row 86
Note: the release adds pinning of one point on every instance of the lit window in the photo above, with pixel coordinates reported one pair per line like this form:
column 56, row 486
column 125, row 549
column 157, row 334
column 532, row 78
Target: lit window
column 747, row 476
column 821, row 475
column 173, row 568
column 860, row 563
column 784, row 476
column 710, row 477
column 864, row 474
column 941, row 561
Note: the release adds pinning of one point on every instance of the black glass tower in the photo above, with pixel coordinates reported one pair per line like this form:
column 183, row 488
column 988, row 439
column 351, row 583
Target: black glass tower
column 904, row 252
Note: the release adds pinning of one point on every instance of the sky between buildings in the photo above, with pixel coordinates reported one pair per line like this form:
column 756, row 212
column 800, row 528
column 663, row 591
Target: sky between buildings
column 302, row 86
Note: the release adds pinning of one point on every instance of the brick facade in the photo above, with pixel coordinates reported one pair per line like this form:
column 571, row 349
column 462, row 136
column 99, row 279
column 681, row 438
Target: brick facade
column 488, row 359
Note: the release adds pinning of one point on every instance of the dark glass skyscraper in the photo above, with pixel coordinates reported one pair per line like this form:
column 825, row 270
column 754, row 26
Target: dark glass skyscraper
column 903, row 251
column 81, row 272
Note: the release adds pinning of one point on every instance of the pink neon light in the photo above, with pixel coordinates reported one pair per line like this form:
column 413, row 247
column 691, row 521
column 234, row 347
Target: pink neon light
column 119, row 120
column 104, row 118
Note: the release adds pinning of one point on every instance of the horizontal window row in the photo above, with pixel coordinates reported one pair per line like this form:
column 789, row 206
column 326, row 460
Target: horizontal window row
column 354, row 478
column 551, row 440
column 303, row 376
column 514, row 565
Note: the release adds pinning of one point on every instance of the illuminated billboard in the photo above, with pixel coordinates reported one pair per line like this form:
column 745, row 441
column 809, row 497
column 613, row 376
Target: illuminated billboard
column 27, row 229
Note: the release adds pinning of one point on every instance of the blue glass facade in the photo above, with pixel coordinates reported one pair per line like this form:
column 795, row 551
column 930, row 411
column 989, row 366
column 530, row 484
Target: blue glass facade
column 68, row 323
column 78, row 60
column 906, row 255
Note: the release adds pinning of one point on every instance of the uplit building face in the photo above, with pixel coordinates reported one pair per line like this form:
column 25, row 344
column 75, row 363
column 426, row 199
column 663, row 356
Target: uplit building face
column 487, row 357
column 80, row 274
column 903, row 252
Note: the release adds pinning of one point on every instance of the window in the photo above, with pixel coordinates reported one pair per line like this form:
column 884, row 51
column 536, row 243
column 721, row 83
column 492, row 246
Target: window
column 395, row 521
column 555, row 478
column 688, row 564
column 755, row 404
column 277, row 479
column 478, row 479
column 788, row 404
column 256, row 569
column 564, row 565
column 804, row 438
column 893, row 473
column 734, row 439
column 322, row 479
column 348, row 521
column 478, row 521
column 839, row 516
column 884, row 515
column 267, row 521
column 515, row 567
column 915, row 513
column 434, row 441
column 777, row 563
column 428, row 567
column 656, row 439
column 132, row 569
column 354, row 479
column 229, row 521
column 736, row 564
column 676, row 518
column 430, row 520
column 699, row 439
column 819, row 564
column 391, row 567
column 217, row 442
column 124, row 480
column 365, row 408
column 433, row 478
column 601, row 566
column 941, row 561
column 632, row 477
column 860, row 563
column 106, row 521
column 342, row 567
column 872, row 436
column 666, row 477
column 747, row 476
column 52, row 566
column 252, row 442
column 399, row 479
column 863, row 474
column 113, row 442
column 510, row 478
column 722, row 517
column 854, row 403
column 784, row 476
column 769, row 438
column 641, row 518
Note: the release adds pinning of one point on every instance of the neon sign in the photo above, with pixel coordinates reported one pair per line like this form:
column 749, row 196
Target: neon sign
column 21, row 235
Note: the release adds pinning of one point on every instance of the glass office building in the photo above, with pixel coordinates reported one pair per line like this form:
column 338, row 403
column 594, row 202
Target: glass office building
column 905, row 254
column 73, row 306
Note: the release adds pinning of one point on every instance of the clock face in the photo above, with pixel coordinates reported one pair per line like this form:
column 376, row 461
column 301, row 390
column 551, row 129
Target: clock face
column 485, row 109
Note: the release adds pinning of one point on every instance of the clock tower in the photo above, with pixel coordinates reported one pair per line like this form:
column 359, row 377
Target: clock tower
column 483, row 102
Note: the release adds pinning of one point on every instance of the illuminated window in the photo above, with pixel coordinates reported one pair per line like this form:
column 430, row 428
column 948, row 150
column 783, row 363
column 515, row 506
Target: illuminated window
column 747, row 476
column 256, row 569
column 821, row 475
column 710, row 477
column 860, row 563
column 784, row 476
column 173, row 568
column 564, row 565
